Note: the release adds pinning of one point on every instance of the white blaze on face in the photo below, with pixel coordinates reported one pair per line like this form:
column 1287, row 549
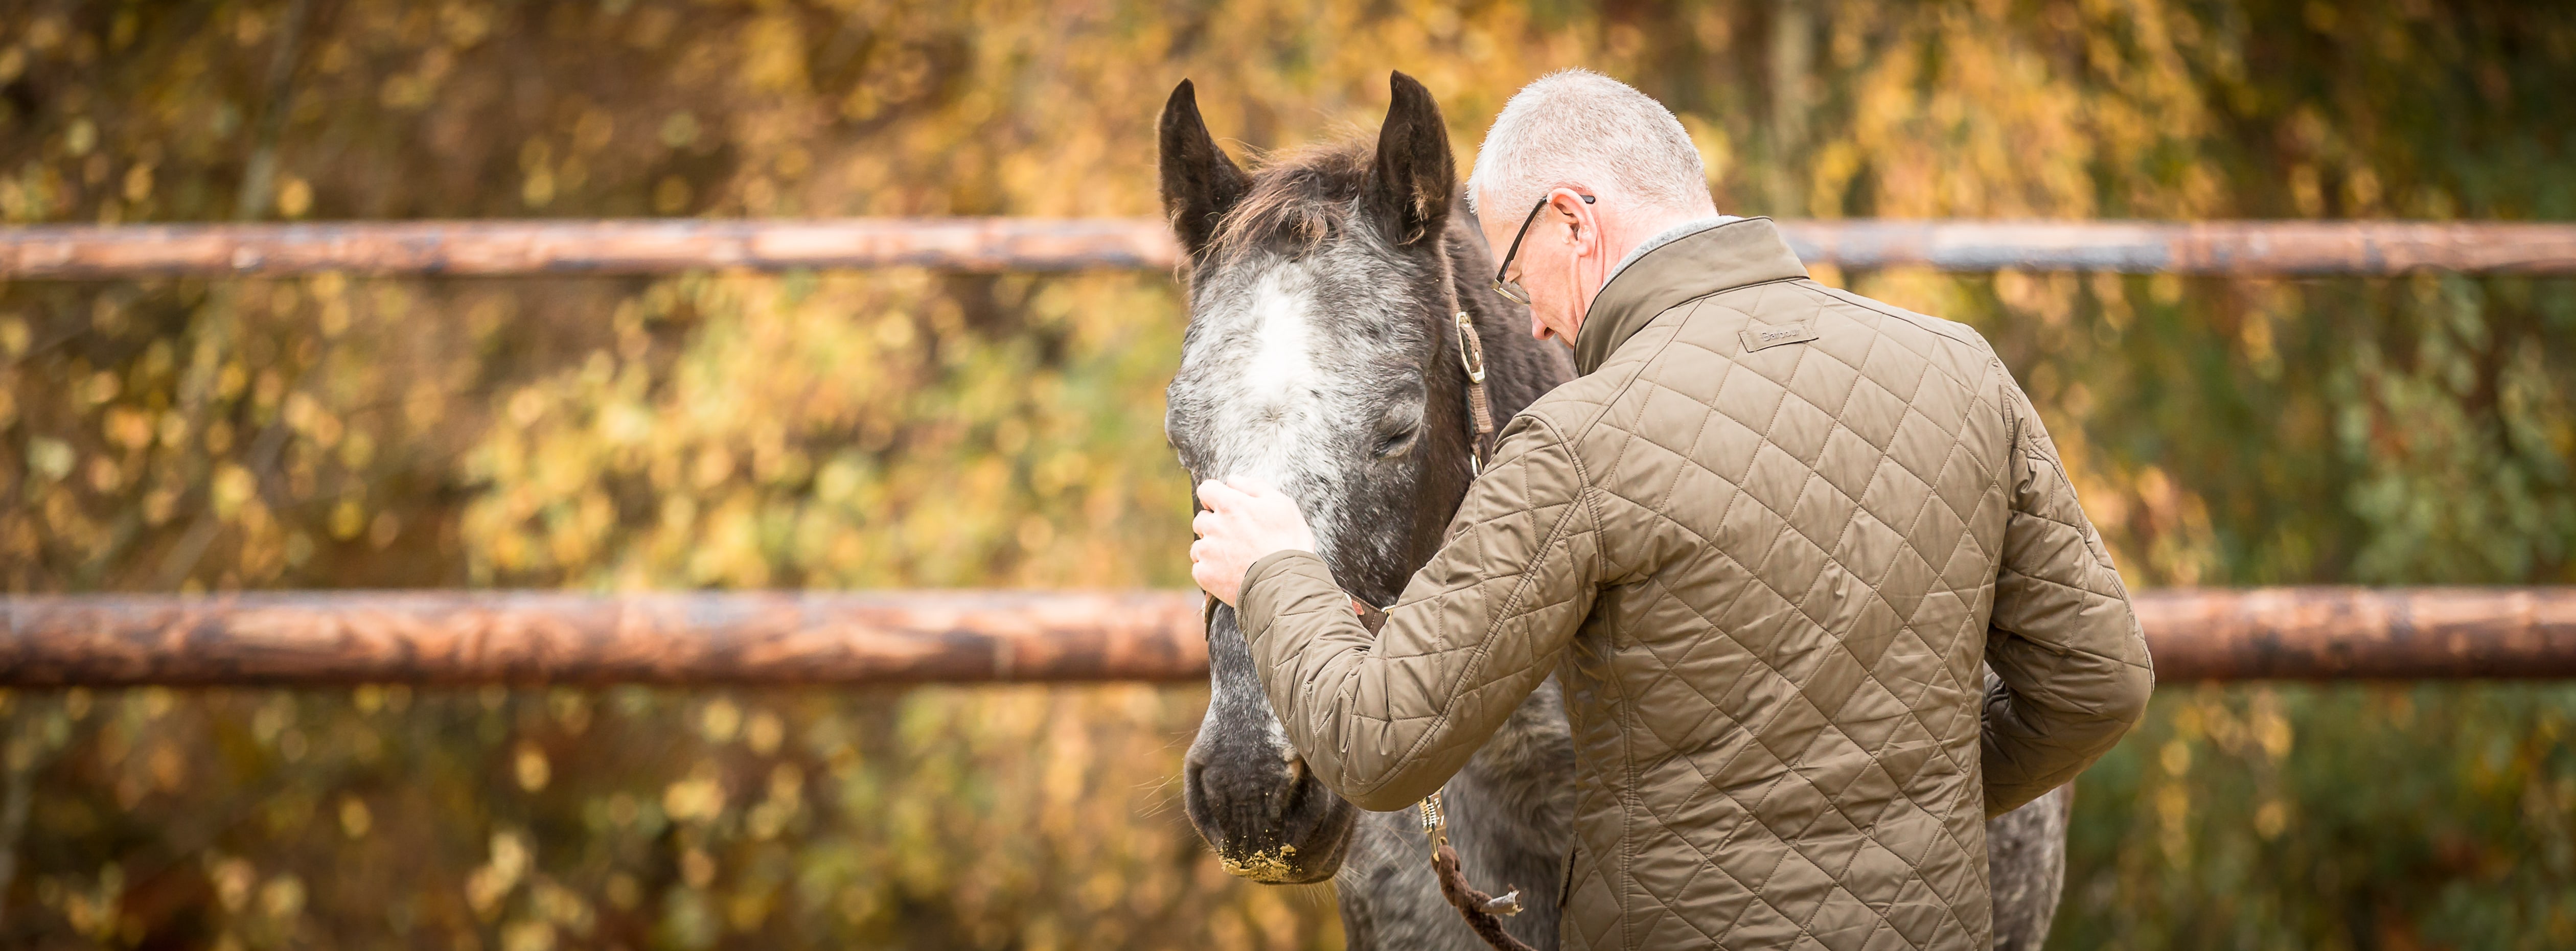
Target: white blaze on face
column 1282, row 366
column 1274, row 388
column 1271, row 407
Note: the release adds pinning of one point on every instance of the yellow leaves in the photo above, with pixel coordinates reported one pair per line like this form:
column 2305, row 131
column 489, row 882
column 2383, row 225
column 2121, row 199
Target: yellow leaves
column 282, row 897
column 699, row 798
column 537, row 185
column 128, row 427
column 2272, row 730
column 231, row 489
column 252, row 24
column 267, row 387
column 714, row 466
column 718, row 720
column 464, row 24
column 233, row 879
column 489, row 883
column 49, row 458
column 530, row 766
column 294, row 197
column 757, row 442
column 80, row 137
column 356, row 820
column 528, row 936
column 2270, row 818
column 623, row 891
column 415, row 89
column 785, row 801
column 773, row 54
column 671, row 195
column 2176, row 757
column 765, row 733
column 137, row 184
column 697, row 867
column 680, row 129
column 100, row 387
column 305, row 415
column 593, row 130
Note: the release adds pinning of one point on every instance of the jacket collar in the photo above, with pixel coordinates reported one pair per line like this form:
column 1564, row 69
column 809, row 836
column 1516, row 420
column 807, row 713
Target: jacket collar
column 1732, row 255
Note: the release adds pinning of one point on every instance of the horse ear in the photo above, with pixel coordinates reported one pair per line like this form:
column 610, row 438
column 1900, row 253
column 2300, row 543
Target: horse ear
column 1199, row 182
column 1410, row 185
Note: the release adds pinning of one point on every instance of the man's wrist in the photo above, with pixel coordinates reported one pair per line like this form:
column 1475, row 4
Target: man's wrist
column 1246, row 609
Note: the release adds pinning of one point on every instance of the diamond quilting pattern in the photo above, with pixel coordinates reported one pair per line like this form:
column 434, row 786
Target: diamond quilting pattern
column 1778, row 572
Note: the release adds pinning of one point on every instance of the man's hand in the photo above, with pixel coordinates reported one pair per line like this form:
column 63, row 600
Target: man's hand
column 1243, row 523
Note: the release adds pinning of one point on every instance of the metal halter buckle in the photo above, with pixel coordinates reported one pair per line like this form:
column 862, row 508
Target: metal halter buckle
column 1471, row 351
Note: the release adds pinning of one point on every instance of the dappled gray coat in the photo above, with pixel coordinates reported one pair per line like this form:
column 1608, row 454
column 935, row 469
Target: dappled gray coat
column 1766, row 538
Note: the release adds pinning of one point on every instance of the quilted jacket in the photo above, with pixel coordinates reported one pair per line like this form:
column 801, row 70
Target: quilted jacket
column 1765, row 539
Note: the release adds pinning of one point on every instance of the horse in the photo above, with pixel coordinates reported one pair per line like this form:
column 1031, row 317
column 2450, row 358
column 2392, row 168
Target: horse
column 1323, row 356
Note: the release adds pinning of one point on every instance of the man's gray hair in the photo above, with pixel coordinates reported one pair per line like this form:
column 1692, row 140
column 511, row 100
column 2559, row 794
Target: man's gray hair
column 1577, row 126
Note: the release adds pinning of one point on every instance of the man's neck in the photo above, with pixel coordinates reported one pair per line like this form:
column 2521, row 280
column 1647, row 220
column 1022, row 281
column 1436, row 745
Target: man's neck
column 1624, row 236
column 1676, row 227
column 1620, row 239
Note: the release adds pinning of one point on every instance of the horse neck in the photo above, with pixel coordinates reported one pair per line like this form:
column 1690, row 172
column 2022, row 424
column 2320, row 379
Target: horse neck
column 1521, row 769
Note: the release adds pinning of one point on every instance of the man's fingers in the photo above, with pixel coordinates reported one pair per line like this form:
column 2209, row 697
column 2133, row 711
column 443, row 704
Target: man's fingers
column 1218, row 496
column 1202, row 523
column 1207, row 581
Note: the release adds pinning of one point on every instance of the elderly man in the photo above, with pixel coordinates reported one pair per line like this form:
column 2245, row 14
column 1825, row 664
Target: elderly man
column 1766, row 539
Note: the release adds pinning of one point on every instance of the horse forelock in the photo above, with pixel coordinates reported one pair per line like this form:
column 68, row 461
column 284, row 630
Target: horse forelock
column 1300, row 199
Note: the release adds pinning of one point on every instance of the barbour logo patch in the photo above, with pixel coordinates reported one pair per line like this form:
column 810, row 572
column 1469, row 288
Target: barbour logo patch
column 1759, row 336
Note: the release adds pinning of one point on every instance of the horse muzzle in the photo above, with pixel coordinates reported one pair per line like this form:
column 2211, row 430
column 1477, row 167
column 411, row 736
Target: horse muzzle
column 1272, row 823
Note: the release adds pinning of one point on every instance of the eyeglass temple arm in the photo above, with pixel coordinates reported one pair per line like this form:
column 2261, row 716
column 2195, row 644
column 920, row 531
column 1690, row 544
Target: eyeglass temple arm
column 1515, row 251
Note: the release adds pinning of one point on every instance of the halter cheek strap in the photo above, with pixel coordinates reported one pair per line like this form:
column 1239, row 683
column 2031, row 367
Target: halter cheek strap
column 1471, row 354
column 1482, row 911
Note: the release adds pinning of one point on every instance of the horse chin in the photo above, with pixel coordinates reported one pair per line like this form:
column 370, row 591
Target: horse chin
column 1287, row 831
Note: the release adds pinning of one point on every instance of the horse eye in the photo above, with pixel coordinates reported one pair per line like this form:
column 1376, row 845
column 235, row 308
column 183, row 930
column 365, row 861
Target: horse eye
column 1397, row 443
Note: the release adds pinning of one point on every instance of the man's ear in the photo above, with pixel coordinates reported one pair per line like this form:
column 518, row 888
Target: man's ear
column 1200, row 184
column 1568, row 208
column 1413, row 177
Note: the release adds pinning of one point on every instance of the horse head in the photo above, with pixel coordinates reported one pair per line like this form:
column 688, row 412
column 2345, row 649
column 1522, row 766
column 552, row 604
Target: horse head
column 1318, row 359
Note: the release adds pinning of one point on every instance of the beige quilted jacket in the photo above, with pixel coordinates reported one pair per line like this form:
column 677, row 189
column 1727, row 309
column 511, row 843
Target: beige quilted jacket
column 1765, row 539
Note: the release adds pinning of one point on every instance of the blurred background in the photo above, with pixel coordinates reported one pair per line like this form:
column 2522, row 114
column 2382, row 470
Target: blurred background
column 907, row 428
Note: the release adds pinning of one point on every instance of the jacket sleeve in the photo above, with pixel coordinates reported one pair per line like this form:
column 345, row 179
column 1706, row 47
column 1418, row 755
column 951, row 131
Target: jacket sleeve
column 2071, row 668
column 1384, row 720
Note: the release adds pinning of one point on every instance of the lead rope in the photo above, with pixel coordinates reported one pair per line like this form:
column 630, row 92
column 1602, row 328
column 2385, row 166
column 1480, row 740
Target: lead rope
column 1482, row 911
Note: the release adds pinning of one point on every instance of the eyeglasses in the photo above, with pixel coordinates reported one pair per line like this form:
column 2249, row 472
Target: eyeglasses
column 1512, row 290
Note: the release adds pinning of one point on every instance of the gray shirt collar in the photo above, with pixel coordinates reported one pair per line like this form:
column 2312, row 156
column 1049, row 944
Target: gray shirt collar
column 1667, row 236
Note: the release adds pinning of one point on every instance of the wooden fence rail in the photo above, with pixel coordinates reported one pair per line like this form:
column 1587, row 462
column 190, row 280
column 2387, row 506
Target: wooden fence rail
column 452, row 637
column 646, row 246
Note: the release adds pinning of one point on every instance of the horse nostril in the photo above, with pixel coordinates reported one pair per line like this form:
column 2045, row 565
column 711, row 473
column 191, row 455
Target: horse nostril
column 1299, row 792
column 1194, row 782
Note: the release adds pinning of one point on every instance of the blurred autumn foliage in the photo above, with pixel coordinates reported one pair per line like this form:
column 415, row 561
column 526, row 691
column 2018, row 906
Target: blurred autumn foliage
column 902, row 428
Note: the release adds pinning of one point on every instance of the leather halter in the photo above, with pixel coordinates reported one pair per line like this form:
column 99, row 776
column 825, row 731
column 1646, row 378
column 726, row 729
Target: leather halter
column 1482, row 911
column 1471, row 355
column 1480, row 415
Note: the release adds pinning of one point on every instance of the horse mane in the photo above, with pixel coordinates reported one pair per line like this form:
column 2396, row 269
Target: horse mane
column 1304, row 195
